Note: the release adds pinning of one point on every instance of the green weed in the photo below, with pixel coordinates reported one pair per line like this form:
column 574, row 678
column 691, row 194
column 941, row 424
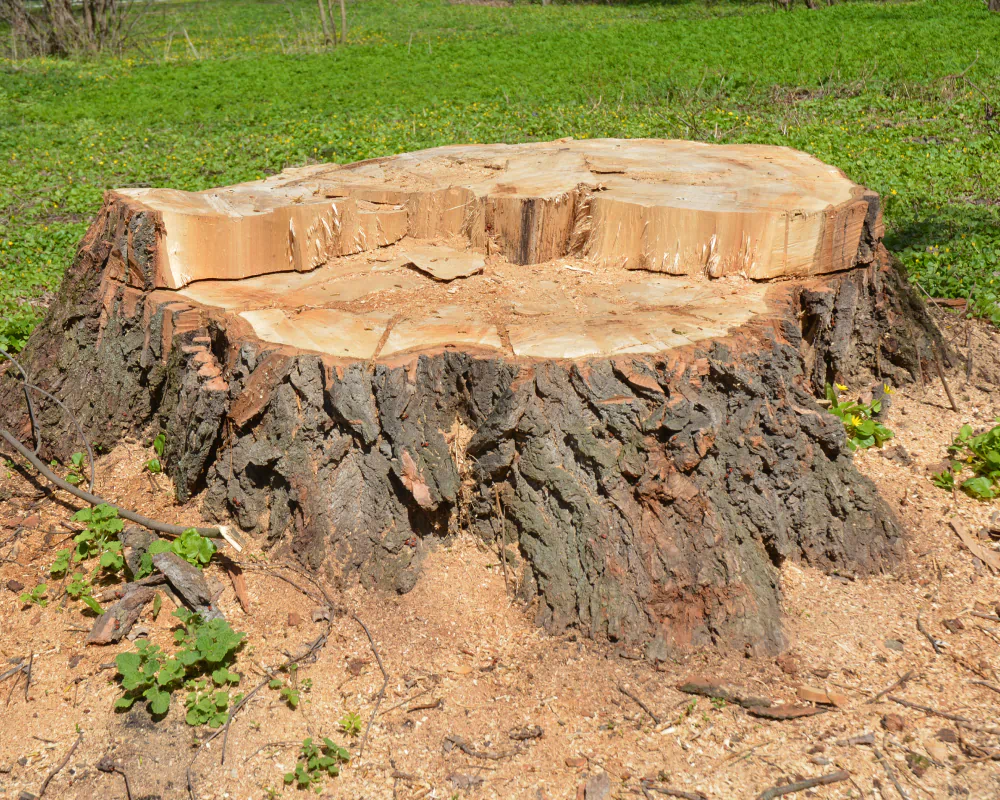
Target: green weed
column 350, row 724
column 863, row 430
column 980, row 455
column 205, row 650
column 291, row 691
column 315, row 762
column 153, row 465
column 36, row 596
column 194, row 548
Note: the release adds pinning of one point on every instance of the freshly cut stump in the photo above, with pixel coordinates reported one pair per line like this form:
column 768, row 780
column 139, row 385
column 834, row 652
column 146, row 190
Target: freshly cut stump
column 600, row 356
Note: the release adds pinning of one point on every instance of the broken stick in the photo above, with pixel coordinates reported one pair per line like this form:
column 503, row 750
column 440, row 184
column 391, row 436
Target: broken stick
column 222, row 532
column 801, row 786
column 59, row 766
column 638, row 702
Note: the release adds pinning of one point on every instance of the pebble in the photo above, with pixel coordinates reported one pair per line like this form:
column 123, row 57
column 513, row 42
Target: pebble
column 893, row 722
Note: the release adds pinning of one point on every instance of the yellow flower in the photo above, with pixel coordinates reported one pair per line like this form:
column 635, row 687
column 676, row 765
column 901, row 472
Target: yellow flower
column 840, row 387
column 855, row 421
column 887, row 389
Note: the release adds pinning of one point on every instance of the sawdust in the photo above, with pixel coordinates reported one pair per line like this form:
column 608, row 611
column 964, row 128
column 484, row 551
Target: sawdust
column 457, row 638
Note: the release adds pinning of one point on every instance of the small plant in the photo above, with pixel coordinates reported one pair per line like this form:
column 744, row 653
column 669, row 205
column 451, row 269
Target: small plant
column 61, row 565
column 207, row 705
column 36, row 597
column 79, row 588
column 350, row 724
column 75, row 474
column 99, row 538
column 978, row 454
column 718, row 703
column 207, row 649
column 194, row 548
column 153, row 465
column 291, row 691
column 863, row 431
column 314, row 761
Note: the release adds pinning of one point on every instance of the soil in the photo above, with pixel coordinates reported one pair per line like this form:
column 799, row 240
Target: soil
column 461, row 638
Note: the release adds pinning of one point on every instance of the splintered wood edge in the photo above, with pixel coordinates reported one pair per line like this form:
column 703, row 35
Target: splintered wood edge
column 664, row 206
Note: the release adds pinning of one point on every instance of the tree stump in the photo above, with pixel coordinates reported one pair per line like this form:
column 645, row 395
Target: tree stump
column 602, row 357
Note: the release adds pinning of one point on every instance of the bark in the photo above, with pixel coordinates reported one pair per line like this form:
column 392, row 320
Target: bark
column 643, row 499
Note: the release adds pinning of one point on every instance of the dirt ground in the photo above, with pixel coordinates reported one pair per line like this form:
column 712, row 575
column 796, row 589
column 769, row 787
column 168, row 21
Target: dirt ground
column 465, row 661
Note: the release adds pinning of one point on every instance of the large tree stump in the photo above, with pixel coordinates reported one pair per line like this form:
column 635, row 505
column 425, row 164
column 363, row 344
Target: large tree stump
column 603, row 354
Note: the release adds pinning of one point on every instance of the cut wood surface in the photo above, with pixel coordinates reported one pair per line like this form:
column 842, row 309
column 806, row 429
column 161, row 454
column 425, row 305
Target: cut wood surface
column 351, row 362
column 681, row 208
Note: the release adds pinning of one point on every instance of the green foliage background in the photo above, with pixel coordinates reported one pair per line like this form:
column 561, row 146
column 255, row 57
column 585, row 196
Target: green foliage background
column 869, row 87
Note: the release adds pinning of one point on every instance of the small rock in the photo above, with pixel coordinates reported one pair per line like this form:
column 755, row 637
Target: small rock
column 74, row 661
column 355, row 665
column 822, row 674
column 576, row 762
column 26, row 795
column 946, row 735
column 598, row 787
column 15, row 586
column 821, row 761
column 894, row 644
column 817, row 748
column 893, row 722
column 22, row 761
column 787, row 663
column 937, row 750
column 953, row 625
column 465, row 781
column 32, row 522
column 136, row 632
column 898, row 454
column 812, row 695
column 321, row 614
column 294, row 619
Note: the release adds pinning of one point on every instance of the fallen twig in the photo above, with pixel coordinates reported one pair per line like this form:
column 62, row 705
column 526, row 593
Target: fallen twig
column 469, row 750
column 961, row 721
column 649, row 786
column 940, row 371
column 294, row 743
column 106, row 764
column 892, row 775
column 222, row 532
column 14, row 670
column 934, row 642
column 316, row 645
column 425, row 706
column 987, row 684
column 901, row 682
column 800, row 786
column 59, row 766
column 638, row 702
column 27, row 675
column 27, row 397
column 381, row 692
column 983, row 615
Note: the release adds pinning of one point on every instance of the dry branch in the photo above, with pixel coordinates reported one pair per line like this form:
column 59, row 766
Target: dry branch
column 58, row 768
column 801, row 786
column 221, row 532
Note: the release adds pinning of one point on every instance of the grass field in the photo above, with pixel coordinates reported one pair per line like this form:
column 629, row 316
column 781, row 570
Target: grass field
column 901, row 96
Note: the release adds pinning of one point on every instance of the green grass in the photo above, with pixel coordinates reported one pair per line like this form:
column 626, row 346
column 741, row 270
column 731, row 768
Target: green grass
column 864, row 86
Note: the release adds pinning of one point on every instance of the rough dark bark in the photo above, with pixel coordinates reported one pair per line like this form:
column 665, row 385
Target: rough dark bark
column 645, row 499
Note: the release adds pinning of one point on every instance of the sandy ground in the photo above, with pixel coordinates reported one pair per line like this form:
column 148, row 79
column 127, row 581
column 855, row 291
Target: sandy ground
column 464, row 661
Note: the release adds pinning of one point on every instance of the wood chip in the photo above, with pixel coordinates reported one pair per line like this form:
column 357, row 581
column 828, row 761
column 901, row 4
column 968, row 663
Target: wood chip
column 988, row 556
